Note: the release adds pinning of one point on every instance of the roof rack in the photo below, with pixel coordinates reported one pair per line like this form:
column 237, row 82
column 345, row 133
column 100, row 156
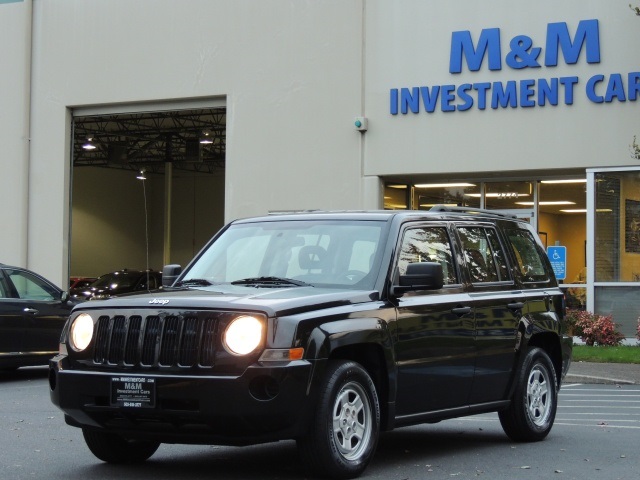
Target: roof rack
column 483, row 211
column 287, row 212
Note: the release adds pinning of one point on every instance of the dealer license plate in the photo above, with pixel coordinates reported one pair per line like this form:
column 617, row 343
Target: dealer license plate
column 133, row 392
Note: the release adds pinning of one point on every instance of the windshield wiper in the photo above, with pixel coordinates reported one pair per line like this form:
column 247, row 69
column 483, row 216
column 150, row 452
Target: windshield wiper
column 193, row 282
column 270, row 282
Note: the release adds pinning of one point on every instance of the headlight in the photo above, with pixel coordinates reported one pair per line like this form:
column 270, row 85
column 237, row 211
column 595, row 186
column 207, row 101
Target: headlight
column 81, row 332
column 243, row 335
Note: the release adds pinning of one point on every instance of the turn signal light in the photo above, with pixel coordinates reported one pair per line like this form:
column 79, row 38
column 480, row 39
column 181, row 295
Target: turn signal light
column 282, row 355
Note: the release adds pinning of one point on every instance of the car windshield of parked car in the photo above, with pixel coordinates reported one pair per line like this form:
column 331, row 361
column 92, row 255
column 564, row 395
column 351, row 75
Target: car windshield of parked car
column 336, row 254
column 115, row 280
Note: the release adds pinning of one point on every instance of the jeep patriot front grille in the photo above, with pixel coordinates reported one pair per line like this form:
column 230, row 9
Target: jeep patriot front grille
column 156, row 341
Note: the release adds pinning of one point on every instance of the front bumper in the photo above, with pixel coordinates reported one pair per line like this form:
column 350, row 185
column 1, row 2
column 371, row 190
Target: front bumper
column 265, row 403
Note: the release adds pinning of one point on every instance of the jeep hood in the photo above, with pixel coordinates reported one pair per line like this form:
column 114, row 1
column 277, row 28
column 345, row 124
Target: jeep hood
column 273, row 301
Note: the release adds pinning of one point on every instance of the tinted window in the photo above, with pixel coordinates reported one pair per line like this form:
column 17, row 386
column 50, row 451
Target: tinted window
column 483, row 254
column 527, row 255
column 115, row 280
column 498, row 254
column 428, row 244
column 153, row 282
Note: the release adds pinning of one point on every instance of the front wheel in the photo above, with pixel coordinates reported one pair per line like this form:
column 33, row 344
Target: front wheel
column 112, row 448
column 344, row 431
column 530, row 416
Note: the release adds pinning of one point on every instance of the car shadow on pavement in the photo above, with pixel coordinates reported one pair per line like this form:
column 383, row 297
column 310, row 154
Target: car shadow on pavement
column 280, row 460
column 272, row 461
column 437, row 441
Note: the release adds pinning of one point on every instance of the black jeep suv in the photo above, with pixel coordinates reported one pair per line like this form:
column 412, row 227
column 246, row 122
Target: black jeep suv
column 327, row 328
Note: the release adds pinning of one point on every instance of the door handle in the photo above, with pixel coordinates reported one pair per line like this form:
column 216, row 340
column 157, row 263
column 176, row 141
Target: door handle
column 30, row 310
column 515, row 306
column 461, row 310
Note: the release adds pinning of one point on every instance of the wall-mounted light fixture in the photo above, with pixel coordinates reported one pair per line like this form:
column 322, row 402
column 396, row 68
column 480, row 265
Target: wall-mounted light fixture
column 89, row 144
column 206, row 137
column 141, row 175
column 361, row 124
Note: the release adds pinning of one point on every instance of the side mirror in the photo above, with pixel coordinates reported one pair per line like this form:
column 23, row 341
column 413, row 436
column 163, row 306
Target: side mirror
column 170, row 273
column 64, row 296
column 420, row 276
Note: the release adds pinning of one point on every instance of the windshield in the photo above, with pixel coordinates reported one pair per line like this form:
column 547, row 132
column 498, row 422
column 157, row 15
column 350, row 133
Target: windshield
column 115, row 280
column 339, row 254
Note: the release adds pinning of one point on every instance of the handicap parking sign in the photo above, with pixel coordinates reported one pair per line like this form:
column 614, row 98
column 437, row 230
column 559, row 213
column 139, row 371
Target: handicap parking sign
column 558, row 258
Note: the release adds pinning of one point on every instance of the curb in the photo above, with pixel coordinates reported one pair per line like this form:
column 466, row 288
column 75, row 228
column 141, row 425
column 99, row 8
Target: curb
column 569, row 378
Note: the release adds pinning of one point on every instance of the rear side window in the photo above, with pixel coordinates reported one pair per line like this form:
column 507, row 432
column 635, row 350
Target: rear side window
column 30, row 287
column 483, row 254
column 527, row 256
column 428, row 244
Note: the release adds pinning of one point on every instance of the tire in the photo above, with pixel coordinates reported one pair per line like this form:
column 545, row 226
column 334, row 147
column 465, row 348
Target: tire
column 344, row 432
column 112, row 448
column 532, row 412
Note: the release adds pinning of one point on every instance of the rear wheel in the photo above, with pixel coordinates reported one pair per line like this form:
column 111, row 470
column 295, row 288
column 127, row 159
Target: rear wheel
column 113, row 448
column 533, row 407
column 346, row 425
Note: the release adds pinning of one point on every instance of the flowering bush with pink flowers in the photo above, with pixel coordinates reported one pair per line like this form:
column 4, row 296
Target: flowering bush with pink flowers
column 594, row 329
column 638, row 330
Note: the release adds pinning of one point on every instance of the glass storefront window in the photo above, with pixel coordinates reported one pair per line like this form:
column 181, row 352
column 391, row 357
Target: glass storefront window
column 575, row 297
column 616, row 247
column 558, row 207
column 562, row 220
column 461, row 194
column 623, row 303
column 508, row 195
column 396, row 196
column 617, row 227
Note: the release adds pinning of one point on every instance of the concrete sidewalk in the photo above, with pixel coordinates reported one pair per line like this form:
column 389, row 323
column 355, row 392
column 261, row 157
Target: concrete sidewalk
column 604, row 373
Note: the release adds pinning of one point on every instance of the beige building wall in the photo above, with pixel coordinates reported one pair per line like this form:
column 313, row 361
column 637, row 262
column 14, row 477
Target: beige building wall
column 15, row 58
column 293, row 77
column 408, row 45
column 288, row 72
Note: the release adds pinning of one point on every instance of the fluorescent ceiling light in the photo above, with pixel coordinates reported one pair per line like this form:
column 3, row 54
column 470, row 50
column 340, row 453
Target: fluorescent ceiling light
column 584, row 210
column 559, row 202
column 397, row 186
column 443, row 185
column 395, row 206
column 206, row 138
column 89, row 144
column 575, row 180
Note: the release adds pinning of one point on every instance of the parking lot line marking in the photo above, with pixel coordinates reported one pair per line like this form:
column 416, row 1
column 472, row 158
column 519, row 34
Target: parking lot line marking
column 596, row 425
column 603, row 396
